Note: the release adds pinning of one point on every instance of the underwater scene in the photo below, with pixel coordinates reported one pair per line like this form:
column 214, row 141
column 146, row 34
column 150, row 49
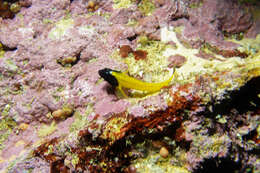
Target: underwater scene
column 131, row 86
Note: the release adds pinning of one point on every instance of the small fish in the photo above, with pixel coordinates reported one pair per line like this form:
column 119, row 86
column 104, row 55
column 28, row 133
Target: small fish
column 122, row 80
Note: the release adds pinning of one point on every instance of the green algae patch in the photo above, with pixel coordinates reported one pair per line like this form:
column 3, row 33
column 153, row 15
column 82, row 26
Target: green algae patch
column 248, row 45
column 252, row 66
column 122, row 4
column 61, row 29
column 154, row 163
column 80, row 121
column 6, row 127
column 46, row 130
column 195, row 5
column 74, row 160
column 146, row 7
column 2, row 52
column 132, row 22
column 153, row 160
column 153, row 68
column 196, row 66
column 113, row 128
column 10, row 65
column 208, row 146
column 71, row 160
column 6, row 110
column 178, row 29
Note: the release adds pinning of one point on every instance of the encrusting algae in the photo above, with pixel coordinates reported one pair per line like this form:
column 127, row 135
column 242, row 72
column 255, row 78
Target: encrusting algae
column 178, row 129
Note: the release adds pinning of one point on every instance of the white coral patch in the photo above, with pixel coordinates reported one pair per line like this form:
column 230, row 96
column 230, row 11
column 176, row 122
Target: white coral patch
column 61, row 29
column 194, row 64
column 85, row 88
column 26, row 32
column 86, row 31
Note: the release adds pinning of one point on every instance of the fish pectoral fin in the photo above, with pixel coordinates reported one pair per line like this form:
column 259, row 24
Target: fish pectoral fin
column 122, row 91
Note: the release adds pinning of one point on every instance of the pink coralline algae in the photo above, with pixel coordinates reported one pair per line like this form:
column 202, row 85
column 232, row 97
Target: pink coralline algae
column 107, row 106
column 58, row 115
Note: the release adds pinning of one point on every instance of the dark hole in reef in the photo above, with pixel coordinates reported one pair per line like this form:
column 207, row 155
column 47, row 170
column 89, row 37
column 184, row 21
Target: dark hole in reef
column 6, row 48
column 78, row 58
column 211, row 130
column 243, row 100
column 11, row 1
column 120, row 147
column 253, row 136
column 35, row 35
column 131, row 38
column 219, row 165
column 5, row 8
column 126, row 152
column 175, row 18
column 58, row 166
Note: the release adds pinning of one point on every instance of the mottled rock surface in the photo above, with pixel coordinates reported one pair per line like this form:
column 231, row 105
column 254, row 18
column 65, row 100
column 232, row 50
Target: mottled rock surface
column 58, row 115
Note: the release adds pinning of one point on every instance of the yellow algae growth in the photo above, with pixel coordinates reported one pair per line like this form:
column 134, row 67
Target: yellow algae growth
column 196, row 65
column 154, row 163
column 248, row 45
column 122, row 4
column 154, row 68
column 19, row 143
column 61, row 29
column 46, row 130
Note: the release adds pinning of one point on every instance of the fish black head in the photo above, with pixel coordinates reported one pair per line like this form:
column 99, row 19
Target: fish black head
column 106, row 74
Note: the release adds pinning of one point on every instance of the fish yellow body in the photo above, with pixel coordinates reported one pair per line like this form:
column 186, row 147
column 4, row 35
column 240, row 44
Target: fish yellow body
column 122, row 80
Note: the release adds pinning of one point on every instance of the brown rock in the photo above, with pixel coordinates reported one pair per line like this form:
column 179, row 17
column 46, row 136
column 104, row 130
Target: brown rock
column 140, row 54
column 23, row 126
column 208, row 22
column 147, row 25
column 25, row 3
column 125, row 50
column 176, row 60
column 155, row 35
column 164, row 152
column 205, row 55
column 158, row 144
column 62, row 113
column 67, row 60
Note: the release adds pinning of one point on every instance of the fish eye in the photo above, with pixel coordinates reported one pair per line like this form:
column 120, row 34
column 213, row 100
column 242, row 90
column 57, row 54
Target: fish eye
column 104, row 72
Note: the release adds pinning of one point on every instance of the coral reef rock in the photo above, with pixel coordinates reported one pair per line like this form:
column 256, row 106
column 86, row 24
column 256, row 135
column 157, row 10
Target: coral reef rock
column 58, row 115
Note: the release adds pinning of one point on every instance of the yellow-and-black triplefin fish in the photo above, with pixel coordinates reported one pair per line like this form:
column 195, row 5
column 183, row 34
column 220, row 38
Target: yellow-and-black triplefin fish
column 122, row 80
